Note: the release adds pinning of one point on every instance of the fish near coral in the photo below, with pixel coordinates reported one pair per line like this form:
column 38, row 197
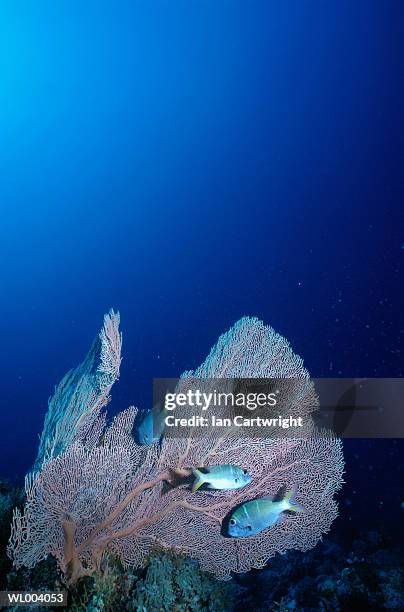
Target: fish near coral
column 151, row 427
column 120, row 519
column 256, row 515
column 222, row 477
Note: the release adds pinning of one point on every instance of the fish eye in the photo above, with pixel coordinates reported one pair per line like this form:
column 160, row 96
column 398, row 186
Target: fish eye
column 249, row 527
column 245, row 472
column 232, row 521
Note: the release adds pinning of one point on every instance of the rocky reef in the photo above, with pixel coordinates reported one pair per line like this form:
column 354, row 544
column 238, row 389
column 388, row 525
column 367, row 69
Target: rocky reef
column 363, row 574
column 367, row 574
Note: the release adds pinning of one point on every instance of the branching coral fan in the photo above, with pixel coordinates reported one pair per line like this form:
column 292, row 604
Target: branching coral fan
column 96, row 492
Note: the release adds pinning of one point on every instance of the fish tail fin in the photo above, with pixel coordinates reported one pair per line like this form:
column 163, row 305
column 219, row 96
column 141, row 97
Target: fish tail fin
column 293, row 505
column 199, row 479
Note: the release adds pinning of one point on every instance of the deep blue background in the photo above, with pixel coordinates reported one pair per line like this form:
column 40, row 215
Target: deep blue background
column 189, row 163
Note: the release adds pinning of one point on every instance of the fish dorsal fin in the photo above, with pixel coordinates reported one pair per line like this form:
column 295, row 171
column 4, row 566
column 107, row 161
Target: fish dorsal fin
column 267, row 498
column 280, row 495
column 203, row 470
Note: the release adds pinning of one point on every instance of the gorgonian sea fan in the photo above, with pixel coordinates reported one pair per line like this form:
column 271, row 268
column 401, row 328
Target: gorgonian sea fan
column 82, row 391
column 105, row 494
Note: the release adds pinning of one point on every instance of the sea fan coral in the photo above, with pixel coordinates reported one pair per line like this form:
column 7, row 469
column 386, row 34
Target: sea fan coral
column 82, row 390
column 104, row 494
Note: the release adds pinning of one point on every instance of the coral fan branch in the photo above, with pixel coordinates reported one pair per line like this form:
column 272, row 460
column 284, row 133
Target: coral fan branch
column 121, row 507
column 159, row 515
column 100, row 493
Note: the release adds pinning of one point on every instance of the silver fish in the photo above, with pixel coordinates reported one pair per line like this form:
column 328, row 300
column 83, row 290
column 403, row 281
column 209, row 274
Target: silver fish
column 151, row 426
column 222, row 477
column 259, row 514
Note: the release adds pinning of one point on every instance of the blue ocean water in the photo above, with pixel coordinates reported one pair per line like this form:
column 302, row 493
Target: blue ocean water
column 191, row 163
